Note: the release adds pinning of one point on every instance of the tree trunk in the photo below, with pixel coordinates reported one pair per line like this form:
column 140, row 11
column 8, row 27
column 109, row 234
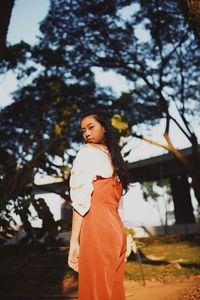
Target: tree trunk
column 5, row 15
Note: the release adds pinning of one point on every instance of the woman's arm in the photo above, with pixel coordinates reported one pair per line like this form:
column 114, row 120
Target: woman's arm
column 81, row 188
column 77, row 220
column 74, row 240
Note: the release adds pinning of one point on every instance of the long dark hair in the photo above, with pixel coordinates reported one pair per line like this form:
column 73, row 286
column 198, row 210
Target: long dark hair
column 111, row 138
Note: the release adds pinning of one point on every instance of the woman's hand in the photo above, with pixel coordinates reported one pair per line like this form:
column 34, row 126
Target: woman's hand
column 73, row 255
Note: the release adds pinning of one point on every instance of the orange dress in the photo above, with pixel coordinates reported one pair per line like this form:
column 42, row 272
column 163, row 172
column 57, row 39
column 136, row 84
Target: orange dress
column 102, row 244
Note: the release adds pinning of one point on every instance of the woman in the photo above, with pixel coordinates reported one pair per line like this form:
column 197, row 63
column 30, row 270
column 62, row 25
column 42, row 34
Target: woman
column 98, row 239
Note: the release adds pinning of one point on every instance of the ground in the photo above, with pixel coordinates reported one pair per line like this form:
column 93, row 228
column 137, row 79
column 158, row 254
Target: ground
column 171, row 268
column 185, row 289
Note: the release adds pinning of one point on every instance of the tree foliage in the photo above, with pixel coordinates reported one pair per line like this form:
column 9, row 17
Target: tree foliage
column 58, row 82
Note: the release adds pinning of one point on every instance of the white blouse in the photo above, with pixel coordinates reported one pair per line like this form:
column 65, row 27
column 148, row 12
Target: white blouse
column 90, row 162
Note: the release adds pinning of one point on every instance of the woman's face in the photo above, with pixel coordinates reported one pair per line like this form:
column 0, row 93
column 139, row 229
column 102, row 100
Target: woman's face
column 93, row 131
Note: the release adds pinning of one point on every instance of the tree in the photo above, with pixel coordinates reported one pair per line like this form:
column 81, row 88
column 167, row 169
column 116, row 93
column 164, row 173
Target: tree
column 163, row 70
column 5, row 15
column 34, row 128
column 77, row 36
column 168, row 29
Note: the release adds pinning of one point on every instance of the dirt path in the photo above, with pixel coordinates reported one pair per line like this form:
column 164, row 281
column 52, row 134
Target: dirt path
column 187, row 289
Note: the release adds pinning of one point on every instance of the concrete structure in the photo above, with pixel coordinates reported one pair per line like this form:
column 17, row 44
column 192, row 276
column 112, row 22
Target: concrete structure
column 152, row 169
column 167, row 166
column 162, row 166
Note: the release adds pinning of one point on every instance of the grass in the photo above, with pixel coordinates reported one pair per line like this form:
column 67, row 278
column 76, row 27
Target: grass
column 166, row 259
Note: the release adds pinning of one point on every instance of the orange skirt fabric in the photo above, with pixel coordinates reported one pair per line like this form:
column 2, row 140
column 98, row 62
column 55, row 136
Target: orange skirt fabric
column 102, row 245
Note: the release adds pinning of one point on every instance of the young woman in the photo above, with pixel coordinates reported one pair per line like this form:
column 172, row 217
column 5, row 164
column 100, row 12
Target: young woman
column 98, row 239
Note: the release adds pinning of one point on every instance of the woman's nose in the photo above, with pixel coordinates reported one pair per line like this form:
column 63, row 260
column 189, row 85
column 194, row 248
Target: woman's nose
column 87, row 133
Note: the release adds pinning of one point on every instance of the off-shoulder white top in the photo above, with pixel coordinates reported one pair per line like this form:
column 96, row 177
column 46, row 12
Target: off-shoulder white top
column 90, row 162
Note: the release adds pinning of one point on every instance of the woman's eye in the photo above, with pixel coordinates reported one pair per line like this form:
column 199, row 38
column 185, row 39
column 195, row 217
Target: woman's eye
column 83, row 131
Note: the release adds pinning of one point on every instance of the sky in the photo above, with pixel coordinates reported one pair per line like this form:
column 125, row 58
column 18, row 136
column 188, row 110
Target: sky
column 24, row 25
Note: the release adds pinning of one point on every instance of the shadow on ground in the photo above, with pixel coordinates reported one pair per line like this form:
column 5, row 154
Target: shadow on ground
column 44, row 275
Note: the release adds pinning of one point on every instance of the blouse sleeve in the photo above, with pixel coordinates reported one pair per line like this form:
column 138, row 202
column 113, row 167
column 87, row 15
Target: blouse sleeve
column 82, row 175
